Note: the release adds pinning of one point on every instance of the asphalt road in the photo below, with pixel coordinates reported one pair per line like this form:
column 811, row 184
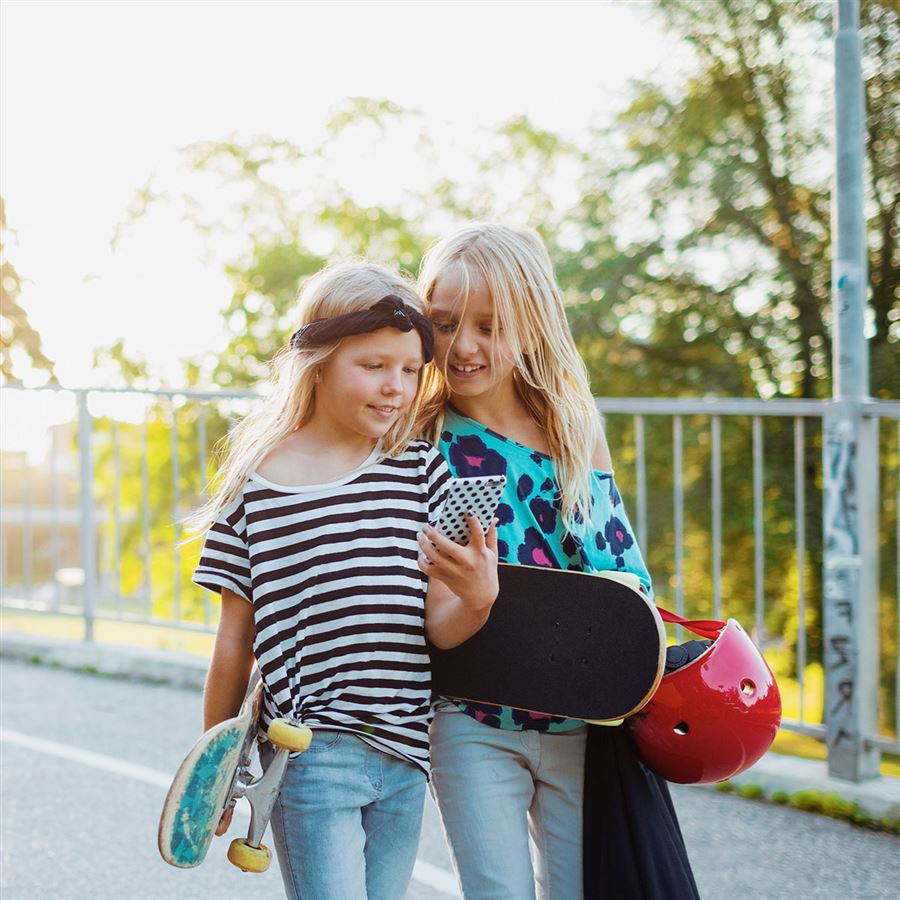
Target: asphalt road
column 85, row 761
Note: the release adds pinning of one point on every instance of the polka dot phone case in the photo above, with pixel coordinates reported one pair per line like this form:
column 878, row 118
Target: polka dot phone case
column 480, row 495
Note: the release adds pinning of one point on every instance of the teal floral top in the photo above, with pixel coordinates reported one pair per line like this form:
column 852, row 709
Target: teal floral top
column 531, row 530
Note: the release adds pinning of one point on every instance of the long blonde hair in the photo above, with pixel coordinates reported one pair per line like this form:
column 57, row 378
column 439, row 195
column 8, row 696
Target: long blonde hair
column 550, row 376
column 335, row 290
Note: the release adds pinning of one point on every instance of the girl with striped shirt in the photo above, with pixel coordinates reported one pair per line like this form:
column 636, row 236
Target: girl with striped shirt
column 314, row 540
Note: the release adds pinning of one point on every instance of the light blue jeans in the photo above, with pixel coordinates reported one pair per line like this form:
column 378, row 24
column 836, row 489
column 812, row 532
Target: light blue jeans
column 347, row 820
column 496, row 790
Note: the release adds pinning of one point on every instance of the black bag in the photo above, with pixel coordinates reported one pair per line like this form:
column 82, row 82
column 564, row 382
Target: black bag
column 633, row 848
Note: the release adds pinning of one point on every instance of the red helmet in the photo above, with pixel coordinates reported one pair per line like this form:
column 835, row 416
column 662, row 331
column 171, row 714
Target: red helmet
column 714, row 717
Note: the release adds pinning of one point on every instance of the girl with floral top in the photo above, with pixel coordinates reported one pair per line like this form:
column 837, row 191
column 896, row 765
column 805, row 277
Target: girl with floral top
column 509, row 395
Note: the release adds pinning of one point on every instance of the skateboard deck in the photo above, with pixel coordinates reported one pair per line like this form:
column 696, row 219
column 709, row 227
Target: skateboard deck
column 215, row 774
column 204, row 785
column 574, row 644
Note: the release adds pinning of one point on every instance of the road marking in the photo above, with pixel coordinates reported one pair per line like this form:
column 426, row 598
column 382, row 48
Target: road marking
column 423, row 872
column 87, row 758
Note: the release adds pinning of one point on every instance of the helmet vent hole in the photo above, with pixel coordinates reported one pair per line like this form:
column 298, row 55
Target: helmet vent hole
column 748, row 688
column 681, row 728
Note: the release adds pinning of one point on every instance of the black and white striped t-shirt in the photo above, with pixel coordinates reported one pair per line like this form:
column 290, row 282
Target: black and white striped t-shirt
column 338, row 597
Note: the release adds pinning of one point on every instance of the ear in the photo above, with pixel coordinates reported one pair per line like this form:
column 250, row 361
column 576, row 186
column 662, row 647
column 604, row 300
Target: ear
column 318, row 377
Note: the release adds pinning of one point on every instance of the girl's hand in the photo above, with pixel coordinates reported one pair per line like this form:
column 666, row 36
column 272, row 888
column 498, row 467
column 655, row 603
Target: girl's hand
column 468, row 572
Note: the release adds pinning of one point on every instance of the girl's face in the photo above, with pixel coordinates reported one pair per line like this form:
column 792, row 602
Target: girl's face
column 368, row 383
column 475, row 356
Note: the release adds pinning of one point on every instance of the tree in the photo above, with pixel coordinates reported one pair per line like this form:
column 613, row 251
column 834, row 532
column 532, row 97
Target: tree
column 16, row 332
column 726, row 287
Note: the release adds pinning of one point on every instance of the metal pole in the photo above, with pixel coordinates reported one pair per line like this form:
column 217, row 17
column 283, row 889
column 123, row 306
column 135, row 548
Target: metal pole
column 641, row 463
column 759, row 535
column 88, row 559
column 678, row 492
column 850, row 459
column 716, row 464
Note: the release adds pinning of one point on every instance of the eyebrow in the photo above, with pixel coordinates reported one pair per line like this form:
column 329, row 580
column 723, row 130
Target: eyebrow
column 449, row 314
column 419, row 359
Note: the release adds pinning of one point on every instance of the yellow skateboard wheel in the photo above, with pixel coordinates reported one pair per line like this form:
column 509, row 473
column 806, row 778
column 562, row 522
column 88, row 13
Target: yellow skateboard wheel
column 289, row 736
column 247, row 858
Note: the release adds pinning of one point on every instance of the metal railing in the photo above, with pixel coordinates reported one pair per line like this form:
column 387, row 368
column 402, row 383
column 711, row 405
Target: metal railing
column 91, row 512
column 806, row 418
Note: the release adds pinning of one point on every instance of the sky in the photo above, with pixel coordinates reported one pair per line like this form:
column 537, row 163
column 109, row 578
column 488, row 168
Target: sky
column 98, row 98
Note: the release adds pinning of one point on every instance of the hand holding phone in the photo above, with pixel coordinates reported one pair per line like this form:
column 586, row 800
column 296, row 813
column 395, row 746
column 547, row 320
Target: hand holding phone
column 480, row 495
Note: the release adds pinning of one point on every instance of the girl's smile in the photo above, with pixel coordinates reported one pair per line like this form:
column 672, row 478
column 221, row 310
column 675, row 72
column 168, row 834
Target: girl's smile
column 368, row 383
column 466, row 371
column 386, row 412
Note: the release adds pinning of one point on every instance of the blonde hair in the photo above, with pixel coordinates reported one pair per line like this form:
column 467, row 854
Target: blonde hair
column 335, row 290
column 550, row 376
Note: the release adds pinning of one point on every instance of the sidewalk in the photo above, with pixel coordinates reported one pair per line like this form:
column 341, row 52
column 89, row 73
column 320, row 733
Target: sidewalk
column 879, row 797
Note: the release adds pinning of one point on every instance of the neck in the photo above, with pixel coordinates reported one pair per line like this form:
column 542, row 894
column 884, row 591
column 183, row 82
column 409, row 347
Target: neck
column 321, row 435
column 497, row 409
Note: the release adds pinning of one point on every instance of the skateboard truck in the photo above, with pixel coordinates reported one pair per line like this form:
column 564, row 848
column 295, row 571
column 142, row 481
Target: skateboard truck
column 214, row 774
column 250, row 854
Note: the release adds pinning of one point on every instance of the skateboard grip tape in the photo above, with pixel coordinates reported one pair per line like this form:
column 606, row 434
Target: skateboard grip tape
column 558, row 643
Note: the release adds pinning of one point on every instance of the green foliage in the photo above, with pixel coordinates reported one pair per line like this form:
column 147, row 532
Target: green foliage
column 170, row 453
column 838, row 807
column 751, row 791
column 812, row 800
column 719, row 279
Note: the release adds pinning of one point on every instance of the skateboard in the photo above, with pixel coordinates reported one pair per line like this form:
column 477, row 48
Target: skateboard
column 574, row 644
column 214, row 775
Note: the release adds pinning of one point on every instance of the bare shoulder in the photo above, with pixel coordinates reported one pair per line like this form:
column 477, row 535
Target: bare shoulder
column 601, row 458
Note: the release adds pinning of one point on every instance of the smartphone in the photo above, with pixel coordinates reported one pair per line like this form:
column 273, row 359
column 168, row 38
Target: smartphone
column 480, row 494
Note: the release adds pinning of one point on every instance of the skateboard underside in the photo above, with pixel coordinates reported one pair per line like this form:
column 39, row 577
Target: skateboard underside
column 559, row 643
column 203, row 787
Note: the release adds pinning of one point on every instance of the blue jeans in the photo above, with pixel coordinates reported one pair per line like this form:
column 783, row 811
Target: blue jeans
column 499, row 792
column 347, row 820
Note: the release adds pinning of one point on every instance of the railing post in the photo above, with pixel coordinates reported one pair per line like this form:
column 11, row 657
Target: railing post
column 850, row 607
column 850, row 456
column 86, row 499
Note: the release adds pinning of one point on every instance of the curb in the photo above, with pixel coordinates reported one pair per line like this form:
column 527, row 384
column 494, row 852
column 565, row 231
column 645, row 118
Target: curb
column 170, row 667
column 879, row 798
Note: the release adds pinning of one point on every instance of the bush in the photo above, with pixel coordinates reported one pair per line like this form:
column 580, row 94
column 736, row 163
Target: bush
column 838, row 808
column 808, row 801
column 751, row 791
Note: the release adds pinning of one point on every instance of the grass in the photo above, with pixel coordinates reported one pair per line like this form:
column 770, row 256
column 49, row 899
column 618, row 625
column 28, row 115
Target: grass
column 826, row 804
column 129, row 634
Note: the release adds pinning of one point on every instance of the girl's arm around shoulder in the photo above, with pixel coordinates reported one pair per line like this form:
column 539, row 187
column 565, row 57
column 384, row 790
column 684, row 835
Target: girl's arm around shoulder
column 232, row 660
column 462, row 583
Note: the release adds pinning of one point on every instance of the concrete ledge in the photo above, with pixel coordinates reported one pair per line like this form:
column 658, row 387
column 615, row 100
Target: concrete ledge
column 879, row 798
column 138, row 663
